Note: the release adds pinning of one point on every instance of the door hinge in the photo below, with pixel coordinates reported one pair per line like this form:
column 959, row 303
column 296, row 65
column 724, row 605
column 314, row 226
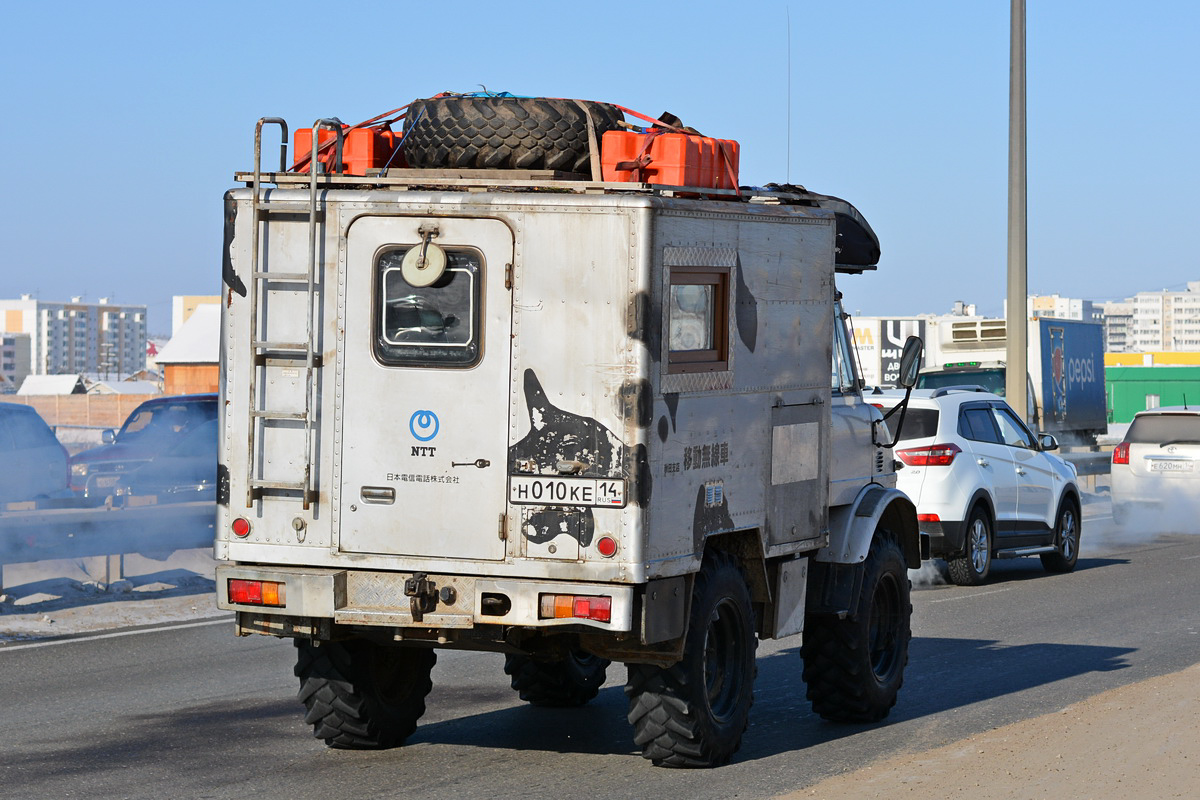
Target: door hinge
column 503, row 527
column 508, row 276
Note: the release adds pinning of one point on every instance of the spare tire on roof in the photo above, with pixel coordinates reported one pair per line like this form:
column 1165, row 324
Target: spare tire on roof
column 504, row 133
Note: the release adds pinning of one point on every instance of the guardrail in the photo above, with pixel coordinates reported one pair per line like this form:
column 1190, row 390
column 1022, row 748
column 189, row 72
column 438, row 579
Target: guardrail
column 1090, row 463
column 69, row 529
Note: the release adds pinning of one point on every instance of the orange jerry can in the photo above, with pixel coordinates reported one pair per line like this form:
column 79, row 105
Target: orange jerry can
column 362, row 149
column 672, row 159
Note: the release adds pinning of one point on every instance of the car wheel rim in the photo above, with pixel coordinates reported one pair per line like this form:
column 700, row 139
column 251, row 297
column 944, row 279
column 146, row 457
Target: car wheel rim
column 979, row 546
column 1068, row 535
column 884, row 634
column 723, row 650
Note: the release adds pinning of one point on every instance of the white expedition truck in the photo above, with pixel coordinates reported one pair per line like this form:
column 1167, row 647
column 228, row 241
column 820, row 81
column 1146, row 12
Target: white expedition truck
column 567, row 420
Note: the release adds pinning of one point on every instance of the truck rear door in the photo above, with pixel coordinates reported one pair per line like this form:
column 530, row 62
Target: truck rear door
column 423, row 412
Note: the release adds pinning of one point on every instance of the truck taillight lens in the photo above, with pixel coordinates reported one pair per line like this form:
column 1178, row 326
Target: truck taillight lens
column 1121, row 453
column 257, row 593
column 606, row 546
column 572, row 606
column 937, row 455
column 241, row 527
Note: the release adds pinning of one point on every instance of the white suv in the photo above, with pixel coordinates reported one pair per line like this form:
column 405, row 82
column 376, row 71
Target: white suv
column 1156, row 469
column 984, row 486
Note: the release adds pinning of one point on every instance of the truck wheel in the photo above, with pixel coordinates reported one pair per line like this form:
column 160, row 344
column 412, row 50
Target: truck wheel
column 504, row 133
column 557, row 684
column 973, row 566
column 1066, row 539
column 693, row 713
column 360, row 694
column 854, row 667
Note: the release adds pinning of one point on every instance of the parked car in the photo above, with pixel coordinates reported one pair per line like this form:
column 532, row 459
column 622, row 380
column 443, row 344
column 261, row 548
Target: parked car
column 152, row 429
column 187, row 471
column 33, row 464
column 1156, row 468
column 985, row 487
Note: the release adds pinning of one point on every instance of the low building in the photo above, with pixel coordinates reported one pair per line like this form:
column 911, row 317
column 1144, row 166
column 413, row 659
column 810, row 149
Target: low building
column 190, row 361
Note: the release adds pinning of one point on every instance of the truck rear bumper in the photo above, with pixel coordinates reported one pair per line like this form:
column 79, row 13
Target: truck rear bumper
column 407, row 600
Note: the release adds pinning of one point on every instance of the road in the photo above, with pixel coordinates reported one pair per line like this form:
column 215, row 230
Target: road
column 196, row 712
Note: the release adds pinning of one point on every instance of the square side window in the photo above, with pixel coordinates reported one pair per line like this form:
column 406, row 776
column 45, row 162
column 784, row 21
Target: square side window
column 698, row 320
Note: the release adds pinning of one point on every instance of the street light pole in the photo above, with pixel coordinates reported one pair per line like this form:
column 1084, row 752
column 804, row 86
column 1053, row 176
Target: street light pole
column 1015, row 316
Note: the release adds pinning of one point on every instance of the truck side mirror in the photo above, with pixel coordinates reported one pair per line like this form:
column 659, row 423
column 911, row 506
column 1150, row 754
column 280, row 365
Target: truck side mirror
column 108, row 436
column 910, row 361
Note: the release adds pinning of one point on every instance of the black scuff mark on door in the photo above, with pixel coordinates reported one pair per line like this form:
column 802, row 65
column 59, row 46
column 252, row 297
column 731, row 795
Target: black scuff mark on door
column 672, row 401
column 645, row 324
column 709, row 518
column 637, row 401
column 541, row 525
column 556, row 435
column 745, row 312
column 663, row 429
column 640, row 479
column 228, row 275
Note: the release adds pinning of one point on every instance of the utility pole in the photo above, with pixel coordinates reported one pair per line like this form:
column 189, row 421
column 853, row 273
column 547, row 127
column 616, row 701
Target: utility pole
column 1018, row 244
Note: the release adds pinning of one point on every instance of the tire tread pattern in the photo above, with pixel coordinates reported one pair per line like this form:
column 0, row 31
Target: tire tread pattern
column 556, row 684
column 504, row 133
column 841, row 684
column 341, row 704
column 668, row 725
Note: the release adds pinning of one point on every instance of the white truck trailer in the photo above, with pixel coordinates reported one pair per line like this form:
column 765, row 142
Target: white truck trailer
column 568, row 420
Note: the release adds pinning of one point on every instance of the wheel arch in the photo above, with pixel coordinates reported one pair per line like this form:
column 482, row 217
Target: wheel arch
column 836, row 577
column 852, row 526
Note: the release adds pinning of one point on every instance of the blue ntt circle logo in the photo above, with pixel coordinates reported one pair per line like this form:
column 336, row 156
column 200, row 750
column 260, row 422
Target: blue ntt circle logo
column 423, row 425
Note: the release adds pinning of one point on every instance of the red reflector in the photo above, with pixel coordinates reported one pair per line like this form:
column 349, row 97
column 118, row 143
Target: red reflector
column 1121, row 453
column 606, row 546
column 928, row 518
column 256, row 593
column 936, row 455
column 597, row 608
column 241, row 527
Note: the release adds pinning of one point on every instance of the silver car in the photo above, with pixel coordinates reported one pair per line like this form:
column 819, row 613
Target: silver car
column 1156, row 469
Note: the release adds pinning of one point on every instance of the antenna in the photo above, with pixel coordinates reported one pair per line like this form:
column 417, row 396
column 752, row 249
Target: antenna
column 788, row 11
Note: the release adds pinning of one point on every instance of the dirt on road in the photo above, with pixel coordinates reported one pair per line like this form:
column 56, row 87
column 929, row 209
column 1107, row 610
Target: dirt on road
column 1137, row 741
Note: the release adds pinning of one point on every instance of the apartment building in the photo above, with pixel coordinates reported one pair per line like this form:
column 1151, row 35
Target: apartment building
column 78, row 337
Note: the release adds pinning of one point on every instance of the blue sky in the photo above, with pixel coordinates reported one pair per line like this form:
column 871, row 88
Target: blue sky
column 127, row 121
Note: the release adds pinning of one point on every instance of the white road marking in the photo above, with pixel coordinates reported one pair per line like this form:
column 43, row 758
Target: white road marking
column 968, row 596
column 118, row 634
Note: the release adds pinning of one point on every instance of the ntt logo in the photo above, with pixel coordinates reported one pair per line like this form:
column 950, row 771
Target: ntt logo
column 424, row 425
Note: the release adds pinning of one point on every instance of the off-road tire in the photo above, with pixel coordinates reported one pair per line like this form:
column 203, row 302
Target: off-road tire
column 693, row 714
column 854, row 667
column 1067, row 529
column 568, row 683
column 973, row 566
column 531, row 133
column 363, row 695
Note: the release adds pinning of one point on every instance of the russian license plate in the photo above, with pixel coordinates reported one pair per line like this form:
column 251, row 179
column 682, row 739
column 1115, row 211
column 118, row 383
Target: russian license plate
column 1172, row 466
column 534, row 490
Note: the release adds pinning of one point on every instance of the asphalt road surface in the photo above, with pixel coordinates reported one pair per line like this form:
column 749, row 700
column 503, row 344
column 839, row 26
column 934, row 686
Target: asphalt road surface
column 192, row 711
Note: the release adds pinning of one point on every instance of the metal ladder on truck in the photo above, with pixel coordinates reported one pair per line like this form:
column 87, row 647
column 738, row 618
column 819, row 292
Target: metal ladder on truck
column 265, row 353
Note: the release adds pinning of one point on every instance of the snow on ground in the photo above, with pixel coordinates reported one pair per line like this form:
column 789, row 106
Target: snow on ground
column 73, row 596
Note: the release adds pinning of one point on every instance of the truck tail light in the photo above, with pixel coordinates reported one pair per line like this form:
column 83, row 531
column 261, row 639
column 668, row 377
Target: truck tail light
column 1121, row 453
column 936, row 455
column 572, row 606
column 241, row 527
column 257, row 593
